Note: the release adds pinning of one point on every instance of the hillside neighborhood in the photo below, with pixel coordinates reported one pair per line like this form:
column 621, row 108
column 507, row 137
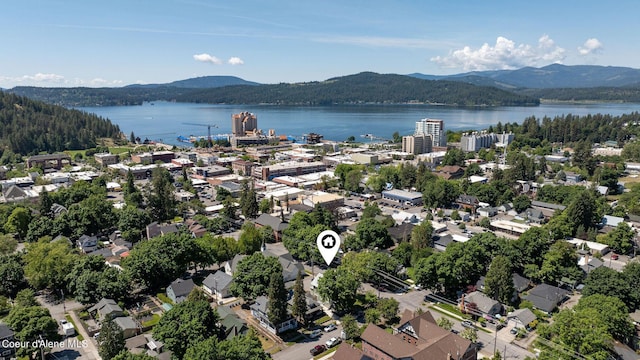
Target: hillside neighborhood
column 496, row 244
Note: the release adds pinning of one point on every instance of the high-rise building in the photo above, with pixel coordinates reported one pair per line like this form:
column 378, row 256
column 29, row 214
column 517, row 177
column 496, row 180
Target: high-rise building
column 432, row 127
column 243, row 124
column 416, row 144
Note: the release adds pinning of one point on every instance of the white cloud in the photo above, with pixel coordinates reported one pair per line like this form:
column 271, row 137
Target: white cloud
column 505, row 54
column 207, row 58
column 40, row 77
column 99, row 82
column 235, row 61
column 591, row 46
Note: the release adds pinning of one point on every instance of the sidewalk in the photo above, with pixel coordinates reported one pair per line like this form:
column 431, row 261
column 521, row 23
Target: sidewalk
column 91, row 349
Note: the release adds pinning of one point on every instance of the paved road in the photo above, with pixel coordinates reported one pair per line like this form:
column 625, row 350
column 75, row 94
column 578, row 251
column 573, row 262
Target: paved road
column 300, row 351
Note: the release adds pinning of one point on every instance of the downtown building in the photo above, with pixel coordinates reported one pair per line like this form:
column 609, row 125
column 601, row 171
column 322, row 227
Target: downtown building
column 476, row 141
column 417, row 144
column 432, row 127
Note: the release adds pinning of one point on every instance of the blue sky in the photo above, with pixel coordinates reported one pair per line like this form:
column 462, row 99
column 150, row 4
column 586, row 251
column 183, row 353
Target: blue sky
column 120, row 42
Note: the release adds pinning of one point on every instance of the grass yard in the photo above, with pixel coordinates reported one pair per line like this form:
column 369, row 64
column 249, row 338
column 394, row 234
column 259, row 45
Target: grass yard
column 68, row 317
column 164, row 298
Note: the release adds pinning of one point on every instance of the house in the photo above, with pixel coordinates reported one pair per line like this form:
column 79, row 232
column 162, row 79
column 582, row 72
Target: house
column 195, row 228
column 231, row 323
column 468, row 202
column 218, row 284
column 610, row 220
column 402, row 232
column 154, row 229
column 230, row 266
column 7, row 336
column 535, row 216
column 290, row 267
column 589, row 263
column 259, row 311
column 348, row 351
column 274, row 222
column 127, row 325
column 179, row 290
column 442, row 241
column 87, row 244
column 504, row 208
column 546, row 297
column 520, row 284
column 522, row 317
column 314, row 310
column 417, row 337
column 487, row 211
column 106, row 308
column 450, row 172
column 484, row 303
column 572, row 177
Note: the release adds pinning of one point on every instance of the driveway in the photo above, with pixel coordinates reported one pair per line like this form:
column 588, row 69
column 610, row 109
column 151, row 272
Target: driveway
column 301, row 350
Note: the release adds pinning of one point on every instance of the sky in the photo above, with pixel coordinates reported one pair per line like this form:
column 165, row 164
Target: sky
column 94, row 43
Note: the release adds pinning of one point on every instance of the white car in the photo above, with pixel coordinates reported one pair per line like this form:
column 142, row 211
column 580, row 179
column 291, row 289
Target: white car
column 333, row 342
column 315, row 333
column 329, row 328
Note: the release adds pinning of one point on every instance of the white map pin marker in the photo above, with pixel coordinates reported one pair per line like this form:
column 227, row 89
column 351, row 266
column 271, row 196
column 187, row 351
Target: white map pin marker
column 328, row 244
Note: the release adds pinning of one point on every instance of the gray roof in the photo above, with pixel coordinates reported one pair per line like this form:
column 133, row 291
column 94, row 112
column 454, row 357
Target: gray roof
column 443, row 240
column 520, row 283
column 485, row 303
column 525, row 316
column 219, row 280
column 290, row 267
column 260, row 304
column 5, row 331
column 546, row 297
column 274, row 222
column 125, row 322
column 182, row 287
column 546, row 205
column 14, row 193
column 233, row 263
column 106, row 307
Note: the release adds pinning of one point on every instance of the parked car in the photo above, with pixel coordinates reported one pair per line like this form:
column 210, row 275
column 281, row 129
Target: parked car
column 329, row 328
column 468, row 324
column 614, row 256
column 318, row 349
column 333, row 342
column 315, row 333
column 514, row 330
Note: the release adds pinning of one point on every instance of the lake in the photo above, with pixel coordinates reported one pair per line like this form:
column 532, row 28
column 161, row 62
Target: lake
column 165, row 121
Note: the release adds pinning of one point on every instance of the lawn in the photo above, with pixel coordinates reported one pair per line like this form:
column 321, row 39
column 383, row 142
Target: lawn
column 164, row 298
column 155, row 319
column 68, row 317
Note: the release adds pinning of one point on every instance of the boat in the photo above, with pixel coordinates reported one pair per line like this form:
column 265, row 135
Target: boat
column 370, row 136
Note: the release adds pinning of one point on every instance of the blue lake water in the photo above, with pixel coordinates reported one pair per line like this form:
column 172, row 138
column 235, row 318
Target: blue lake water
column 165, row 121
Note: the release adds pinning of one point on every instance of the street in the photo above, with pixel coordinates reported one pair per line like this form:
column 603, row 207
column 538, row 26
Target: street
column 301, row 350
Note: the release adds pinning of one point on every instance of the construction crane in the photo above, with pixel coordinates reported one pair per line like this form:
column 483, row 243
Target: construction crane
column 209, row 126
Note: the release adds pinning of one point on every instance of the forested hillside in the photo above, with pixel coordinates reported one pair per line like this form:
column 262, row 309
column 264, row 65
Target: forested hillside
column 605, row 94
column 29, row 127
column 363, row 88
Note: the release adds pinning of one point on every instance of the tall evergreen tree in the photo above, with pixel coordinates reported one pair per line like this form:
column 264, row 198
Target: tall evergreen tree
column 299, row 307
column 499, row 280
column 110, row 340
column 160, row 198
column 277, row 309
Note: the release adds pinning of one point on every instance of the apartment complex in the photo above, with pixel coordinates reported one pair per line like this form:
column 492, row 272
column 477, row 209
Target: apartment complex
column 432, row 127
column 417, row 144
column 476, row 141
column 243, row 124
column 290, row 168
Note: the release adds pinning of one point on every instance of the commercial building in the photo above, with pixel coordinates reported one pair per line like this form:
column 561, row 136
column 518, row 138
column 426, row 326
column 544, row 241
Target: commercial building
column 243, row 123
column 106, row 159
column 402, row 196
column 432, row 127
column 291, row 168
column 151, row 158
column 417, row 144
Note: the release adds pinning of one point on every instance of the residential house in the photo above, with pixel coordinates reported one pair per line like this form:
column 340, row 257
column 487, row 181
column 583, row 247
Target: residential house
column 259, row 311
column 154, row 229
column 468, row 202
column 417, row 337
column 6, row 337
column 504, row 208
column 589, row 263
column 440, row 242
column 451, row 172
column 348, row 351
column 127, row 325
column 314, row 310
column 218, row 284
column 274, row 222
column 290, row 267
column 195, row 228
column 520, row 284
column 87, row 244
column 487, row 211
column 106, row 308
column 546, row 297
column 572, row 177
column 230, row 266
column 402, row 232
column 535, row 216
column 231, row 323
column 522, row 317
column 179, row 290
column 484, row 303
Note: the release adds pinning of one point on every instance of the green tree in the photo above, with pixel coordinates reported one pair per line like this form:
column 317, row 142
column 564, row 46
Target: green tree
column 246, row 347
column 31, row 324
column 352, row 180
column 499, row 280
column 132, row 222
column 560, row 261
column 620, row 239
column 299, row 306
column 18, row 222
column 583, row 210
column 46, row 263
column 253, row 275
column 388, row 308
column 277, row 294
column 421, row 235
column 126, row 355
column 372, row 316
column 339, row 287
column 606, row 281
column 90, row 216
column 11, row 275
column 8, row 244
column 453, row 156
column 25, row 298
column 350, row 327
column 45, row 203
column 583, row 157
column 445, row 323
column 160, row 199
column 110, row 340
column 521, row 203
column 371, row 234
column 186, row 324
column 614, row 314
column 204, row 350
column 470, row 334
column 265, row 206
column 248, row 200
column 250, row 239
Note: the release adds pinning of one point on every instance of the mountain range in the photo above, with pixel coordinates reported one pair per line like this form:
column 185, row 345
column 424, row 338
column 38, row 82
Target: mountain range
column 525, row 86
